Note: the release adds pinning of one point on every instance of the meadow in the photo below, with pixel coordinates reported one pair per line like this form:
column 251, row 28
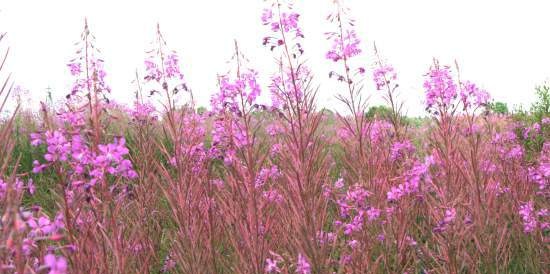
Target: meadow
column 165, row 186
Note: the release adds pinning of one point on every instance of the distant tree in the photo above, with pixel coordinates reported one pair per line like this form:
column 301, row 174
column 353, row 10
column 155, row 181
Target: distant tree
column 201, row 110
column 379, row 112
column 498, row 107
column 541, row 107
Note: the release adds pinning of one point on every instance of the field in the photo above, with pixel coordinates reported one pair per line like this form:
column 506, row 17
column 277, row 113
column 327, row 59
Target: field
column 165, row 186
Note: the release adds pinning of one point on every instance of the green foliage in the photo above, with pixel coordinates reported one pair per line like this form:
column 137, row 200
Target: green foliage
column 541, row 107
column 201, row 110
column 379, row 112
column 498, row 107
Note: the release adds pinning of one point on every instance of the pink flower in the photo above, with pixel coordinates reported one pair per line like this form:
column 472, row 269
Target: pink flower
column 400, row 149
column 271, row 266
column 74, row 68
column 373, row 213
column 448, row 218
column 31, row 187
column 302, row 265
column 526, row 211
column 472, row 96
column 345, row 46
column 440, row 88
column 383, row 75
column 36, row 139
column 57, row 265
column 339, row 183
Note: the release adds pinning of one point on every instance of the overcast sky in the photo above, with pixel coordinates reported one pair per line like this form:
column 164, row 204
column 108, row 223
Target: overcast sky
column 504, row 46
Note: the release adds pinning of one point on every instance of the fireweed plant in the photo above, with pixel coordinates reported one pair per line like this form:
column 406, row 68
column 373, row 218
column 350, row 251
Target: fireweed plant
column 160, row 186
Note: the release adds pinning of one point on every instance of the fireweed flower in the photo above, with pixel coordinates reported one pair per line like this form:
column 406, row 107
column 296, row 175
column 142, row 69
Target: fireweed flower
column 383, row 75
column 94, row 79
column 271, row 266
column 163, row 74
column 281, row 19
column 75, row 68
column 142, row 112
column 267, row 174
column 400, row 150
column 273, row 196
column 289, row 89
column 233, row 93
column 326, row 237
column 302, row 265
column 3, row 188
column 472, row 96
column 440, row 88
column 36, row 139
column 30, row 186
column 74, row 119
column 448, row 219
column 287, row 22
column 526, row 212
column 373, row 213
column 507, row 146
column 56, row 265
column 540, row 174
column 417, row 174
column 57, row 146
column 531, row 131
column 344, row 46
column 339, row 183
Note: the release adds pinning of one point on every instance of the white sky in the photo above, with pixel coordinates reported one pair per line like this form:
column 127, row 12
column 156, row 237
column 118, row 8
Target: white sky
column 504, row 46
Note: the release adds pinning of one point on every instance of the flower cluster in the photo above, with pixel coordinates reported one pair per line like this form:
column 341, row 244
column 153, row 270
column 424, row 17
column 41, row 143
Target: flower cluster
column 142, row 112
column 399, row 150
column 472, row 96
column 418, row 174
column 448, row 219
column 302, row 265
column 288, row 89
column 69, row 148
column 344, row 46
column 383, row 75
column 440, row 87
column 507, row 146
column 237, row 95
column 282, row 22
column 541, row 173
column 162, row 70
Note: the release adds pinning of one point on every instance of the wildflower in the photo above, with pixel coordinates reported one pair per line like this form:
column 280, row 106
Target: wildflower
column 271, row 266
column 37, row 167
column 401, row 149
column 440, row 88
column 413, row 178
column 344, row 46
column 31, row 187
column 142, row 112
column 273, row 196
column 169, row 264
column 383, row 75
column 339, row 183
column 353, row 244
column 56, row 265
column 36, row 139
column 302, row 266
column 472, row 96
column 373, row 213
column 448, row 218
column 526, row 211
column 75, row 68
